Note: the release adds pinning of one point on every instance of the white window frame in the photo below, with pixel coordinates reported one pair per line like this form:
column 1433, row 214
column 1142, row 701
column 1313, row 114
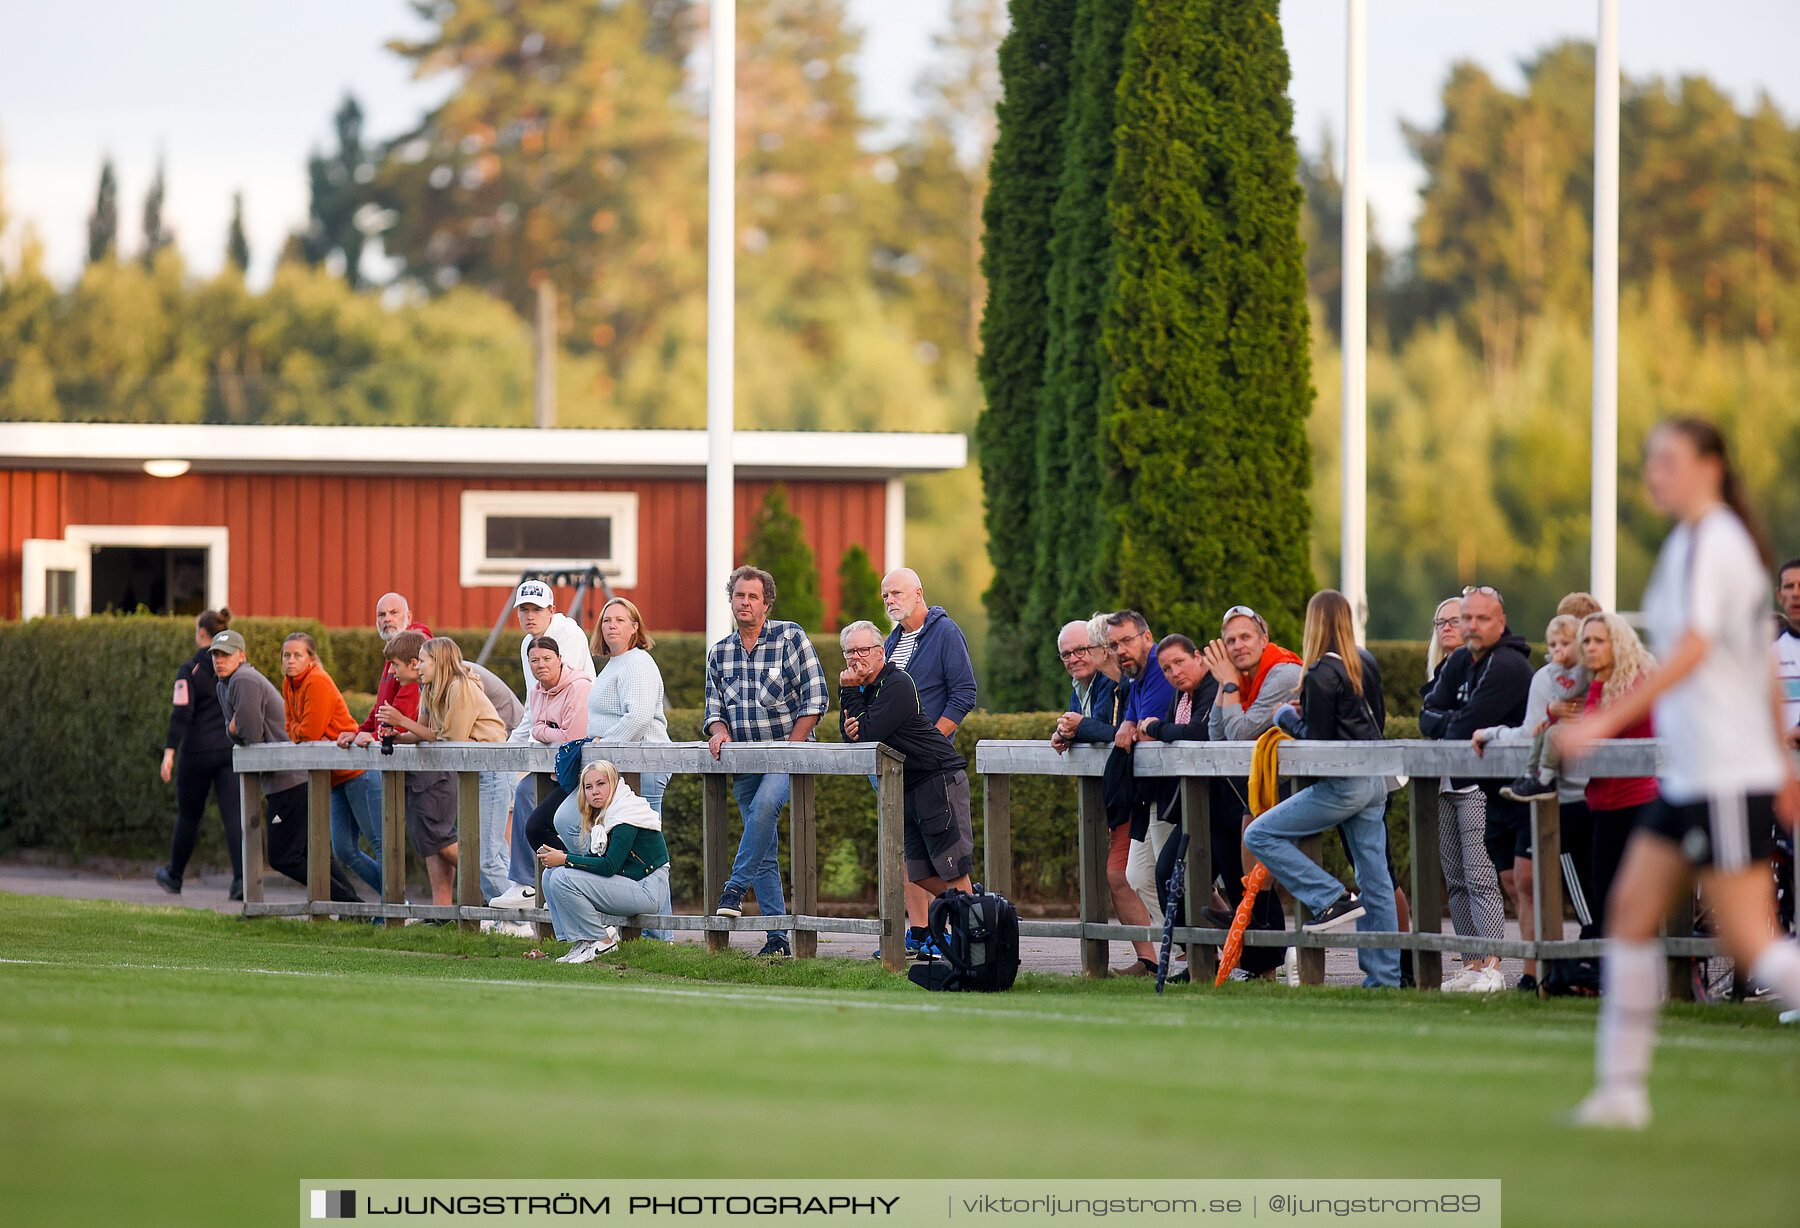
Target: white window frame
column 215, row 539
column 479, row 571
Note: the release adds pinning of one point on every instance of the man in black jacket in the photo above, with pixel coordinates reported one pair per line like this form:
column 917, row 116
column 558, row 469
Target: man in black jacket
column 879, row 703
column 1484, row 683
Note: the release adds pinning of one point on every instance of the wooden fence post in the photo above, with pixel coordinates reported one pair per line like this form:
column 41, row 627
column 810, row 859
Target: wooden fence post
column 1681, row 968
column 996, row 835
column 543, row 784
column 803, row 813
column 1311, row 959
column 393, row 842
column 635, row 782
column 1546, row 872
column 1091, row 845
column 256, row 836
column 318, row 839
column 715, row 857
column 1427, row 881
column 1197, row 821
column 468, row 847
column 890, row 802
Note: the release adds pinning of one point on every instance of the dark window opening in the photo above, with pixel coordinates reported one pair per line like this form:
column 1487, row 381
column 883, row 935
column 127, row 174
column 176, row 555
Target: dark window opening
column 160, row 579
column 549, row 537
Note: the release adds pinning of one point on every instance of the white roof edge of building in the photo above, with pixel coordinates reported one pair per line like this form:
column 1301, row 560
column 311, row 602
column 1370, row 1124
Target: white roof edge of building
column 397, row 449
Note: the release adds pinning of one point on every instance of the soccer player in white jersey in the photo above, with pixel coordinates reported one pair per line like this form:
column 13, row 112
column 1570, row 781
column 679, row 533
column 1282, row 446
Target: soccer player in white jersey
column 1726, row 775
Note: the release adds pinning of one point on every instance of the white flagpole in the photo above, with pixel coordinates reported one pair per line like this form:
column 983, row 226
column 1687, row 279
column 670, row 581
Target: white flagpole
column 1353, row 565
column 1604, row 581
column 721, row 315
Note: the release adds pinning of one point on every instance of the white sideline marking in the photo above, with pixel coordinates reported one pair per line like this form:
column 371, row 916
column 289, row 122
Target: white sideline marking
column 1540, row 1032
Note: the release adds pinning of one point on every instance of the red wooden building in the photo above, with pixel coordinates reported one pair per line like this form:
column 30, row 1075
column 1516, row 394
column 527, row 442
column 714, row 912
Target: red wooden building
column 318, row 521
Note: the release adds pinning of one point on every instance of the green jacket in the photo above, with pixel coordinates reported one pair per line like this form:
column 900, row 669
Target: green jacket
column 631, row 852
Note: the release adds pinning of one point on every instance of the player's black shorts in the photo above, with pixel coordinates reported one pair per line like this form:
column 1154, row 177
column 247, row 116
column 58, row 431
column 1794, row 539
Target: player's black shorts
column 1729, row 832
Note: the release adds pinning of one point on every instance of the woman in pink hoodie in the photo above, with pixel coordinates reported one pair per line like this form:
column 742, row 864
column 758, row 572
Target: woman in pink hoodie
column 558, row 714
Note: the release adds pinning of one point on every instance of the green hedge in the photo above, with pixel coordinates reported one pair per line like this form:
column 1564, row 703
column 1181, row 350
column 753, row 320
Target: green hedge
column 681, row 655
column 86, row 709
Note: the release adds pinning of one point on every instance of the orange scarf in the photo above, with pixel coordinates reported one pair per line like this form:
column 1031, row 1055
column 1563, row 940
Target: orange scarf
column 1273, row 655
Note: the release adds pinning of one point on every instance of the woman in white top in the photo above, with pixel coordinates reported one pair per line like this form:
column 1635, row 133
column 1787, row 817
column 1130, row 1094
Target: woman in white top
column 1725, row 776
column 627, row 703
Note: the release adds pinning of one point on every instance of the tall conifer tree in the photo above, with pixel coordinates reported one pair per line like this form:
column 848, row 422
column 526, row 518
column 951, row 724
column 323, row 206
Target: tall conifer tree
column 103, row 222
column 1207, row 329
column 1024, row 178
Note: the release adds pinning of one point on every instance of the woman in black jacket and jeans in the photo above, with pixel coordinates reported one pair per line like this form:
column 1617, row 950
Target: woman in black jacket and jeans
column 197, row 729
column 1335, row 706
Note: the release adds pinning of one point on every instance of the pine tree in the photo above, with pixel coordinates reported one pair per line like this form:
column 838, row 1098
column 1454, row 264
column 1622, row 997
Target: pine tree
column 776, row 545
column 237, row 244
column 1070, row 537
column 859, row 589
column 340, row 188
column 156, row 237
column 1207, row 329
column 103, row 222
column 1023, row 182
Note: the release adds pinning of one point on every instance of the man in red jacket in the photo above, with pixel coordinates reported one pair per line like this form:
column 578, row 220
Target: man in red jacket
column 392, row 616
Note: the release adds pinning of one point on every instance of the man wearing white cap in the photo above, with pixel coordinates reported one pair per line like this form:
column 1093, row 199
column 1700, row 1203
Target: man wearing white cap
column 536, row 606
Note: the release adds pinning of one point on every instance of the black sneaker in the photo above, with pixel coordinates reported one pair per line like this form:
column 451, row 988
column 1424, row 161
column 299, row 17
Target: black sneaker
column 168, row 880
column 237, row 893
column 1347, row 910
column 731, row 902
column 1217, row 918
column 776, row 946
column 1528, row 788
column 1527, row 984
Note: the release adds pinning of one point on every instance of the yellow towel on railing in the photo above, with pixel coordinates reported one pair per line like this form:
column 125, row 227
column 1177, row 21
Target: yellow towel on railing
column 1265, row 775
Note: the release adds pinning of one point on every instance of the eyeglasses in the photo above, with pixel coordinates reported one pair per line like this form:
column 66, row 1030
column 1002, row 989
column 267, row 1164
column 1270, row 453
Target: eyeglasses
column 1486, row 590
column 1115, row 645
column 1071, row 653
column 1444, row 623
column 862, row 652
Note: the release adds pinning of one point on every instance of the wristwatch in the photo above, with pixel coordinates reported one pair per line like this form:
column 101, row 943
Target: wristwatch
column 1230, row 688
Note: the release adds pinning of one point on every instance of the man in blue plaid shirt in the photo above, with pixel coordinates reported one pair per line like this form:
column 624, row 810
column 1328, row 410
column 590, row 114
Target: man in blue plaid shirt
column 763, row 684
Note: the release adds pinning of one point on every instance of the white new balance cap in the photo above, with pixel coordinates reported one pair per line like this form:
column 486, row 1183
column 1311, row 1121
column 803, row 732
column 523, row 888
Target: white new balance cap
column 534, row 592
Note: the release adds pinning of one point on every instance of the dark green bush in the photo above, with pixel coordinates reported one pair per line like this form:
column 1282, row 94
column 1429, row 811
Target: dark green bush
column 86, row 706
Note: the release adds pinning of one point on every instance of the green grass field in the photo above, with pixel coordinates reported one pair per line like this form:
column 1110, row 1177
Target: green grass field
column 163, row 1065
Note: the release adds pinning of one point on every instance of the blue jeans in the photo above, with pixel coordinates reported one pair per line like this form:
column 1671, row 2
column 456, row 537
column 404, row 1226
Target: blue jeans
column 356, row 810
column 760, row 799
column 524, row 858
column 568, row 830
column 496, row 859
column 1358, row 804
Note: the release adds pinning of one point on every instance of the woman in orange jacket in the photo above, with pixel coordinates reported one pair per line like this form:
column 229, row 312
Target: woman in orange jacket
column 316, row 713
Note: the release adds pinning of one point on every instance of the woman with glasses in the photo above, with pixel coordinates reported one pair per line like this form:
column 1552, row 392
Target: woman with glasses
column 1725, row 778
column 1471, row 885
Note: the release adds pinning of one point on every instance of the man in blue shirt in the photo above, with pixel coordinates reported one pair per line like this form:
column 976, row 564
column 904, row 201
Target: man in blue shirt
column 1130, row 861
column 928, row 645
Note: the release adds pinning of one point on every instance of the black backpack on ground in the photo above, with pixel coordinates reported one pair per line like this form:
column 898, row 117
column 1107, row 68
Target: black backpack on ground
column 1578, row 978
column 979, row 936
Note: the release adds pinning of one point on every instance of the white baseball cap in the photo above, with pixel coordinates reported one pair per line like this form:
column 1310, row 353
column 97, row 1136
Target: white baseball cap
column 534, row 592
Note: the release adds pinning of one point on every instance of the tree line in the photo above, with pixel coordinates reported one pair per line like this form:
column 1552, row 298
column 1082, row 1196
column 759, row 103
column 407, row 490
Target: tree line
column 572, row 148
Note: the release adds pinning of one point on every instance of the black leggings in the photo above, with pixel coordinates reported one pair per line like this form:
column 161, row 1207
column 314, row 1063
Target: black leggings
column 286, row 820
column 540, row 828
column 197, row 772
column 1612, row 828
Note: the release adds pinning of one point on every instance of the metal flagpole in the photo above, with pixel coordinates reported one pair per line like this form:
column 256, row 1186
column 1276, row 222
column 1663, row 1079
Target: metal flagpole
column 1604, row 581
column 1353, row 566
column 721, row 315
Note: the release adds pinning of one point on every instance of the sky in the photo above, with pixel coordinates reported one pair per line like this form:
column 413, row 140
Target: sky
column 233, row 94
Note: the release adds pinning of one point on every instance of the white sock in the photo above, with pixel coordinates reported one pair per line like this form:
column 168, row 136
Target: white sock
column 1633, row 978
column 1778, row 968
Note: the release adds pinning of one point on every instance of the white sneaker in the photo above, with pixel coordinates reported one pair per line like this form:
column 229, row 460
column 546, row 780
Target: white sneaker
column 583, row 952
column 1492, row 981
column 517, row 929
column 1788, row 1017
column 1621, row 1108
column 608, row 943
column 520, row 896
column 1464, row 981
column 1290, row 967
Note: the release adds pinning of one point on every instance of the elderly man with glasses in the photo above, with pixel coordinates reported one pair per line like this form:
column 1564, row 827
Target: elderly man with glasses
column 879, row 702
column 1096, row 702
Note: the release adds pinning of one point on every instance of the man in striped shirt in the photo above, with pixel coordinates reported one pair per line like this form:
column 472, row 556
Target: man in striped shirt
column 763, row 684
